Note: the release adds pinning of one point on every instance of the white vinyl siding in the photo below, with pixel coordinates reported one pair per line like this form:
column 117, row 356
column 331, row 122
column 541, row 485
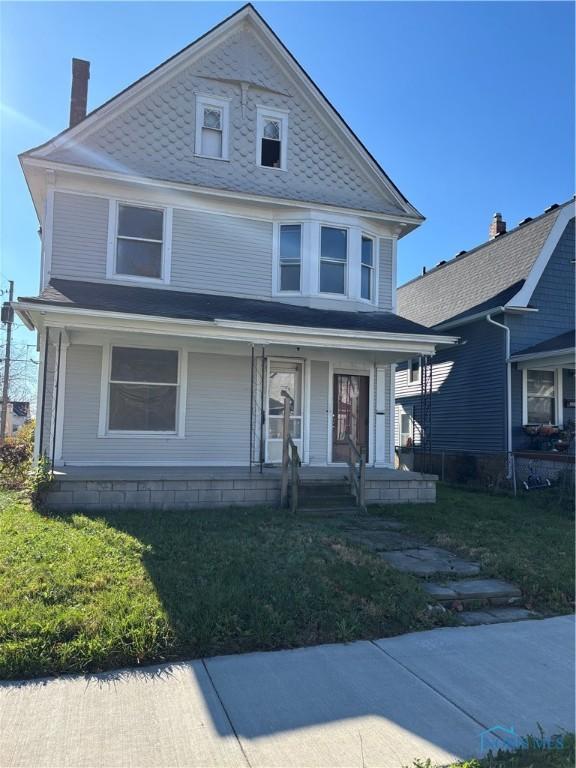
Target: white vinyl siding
column 319, row 422
column 226, row 254
column 386, row 285
column 217, row 414
column 79, row 239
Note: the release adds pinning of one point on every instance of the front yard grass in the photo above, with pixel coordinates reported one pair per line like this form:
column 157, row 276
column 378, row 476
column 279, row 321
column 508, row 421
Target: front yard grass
column 86, row 593
column 528, row 540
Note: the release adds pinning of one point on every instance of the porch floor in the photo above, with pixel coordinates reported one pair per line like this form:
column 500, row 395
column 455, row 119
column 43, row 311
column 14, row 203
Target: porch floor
column 311, row 473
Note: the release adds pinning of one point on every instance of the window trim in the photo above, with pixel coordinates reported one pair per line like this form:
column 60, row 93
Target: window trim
column 418, row 378
column 373, row 269
column 205, row 100
column 166, row 254
column 263, row 112
column 558, row 396
column 346, row 293
column 277, row 264
column 181, row 396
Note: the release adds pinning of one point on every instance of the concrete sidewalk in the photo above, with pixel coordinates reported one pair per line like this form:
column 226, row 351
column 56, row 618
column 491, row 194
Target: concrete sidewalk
column 386, row 703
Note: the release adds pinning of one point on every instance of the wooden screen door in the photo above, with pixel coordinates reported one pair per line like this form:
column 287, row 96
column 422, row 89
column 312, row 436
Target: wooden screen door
column 350, row 414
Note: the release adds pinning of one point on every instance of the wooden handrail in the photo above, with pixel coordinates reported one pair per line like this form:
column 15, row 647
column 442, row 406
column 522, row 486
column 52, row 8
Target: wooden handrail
column 357, row 475
column 290, row 460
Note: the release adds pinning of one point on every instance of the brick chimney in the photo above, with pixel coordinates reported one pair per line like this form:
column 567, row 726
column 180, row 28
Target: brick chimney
column 79, row 92
column 497, row 226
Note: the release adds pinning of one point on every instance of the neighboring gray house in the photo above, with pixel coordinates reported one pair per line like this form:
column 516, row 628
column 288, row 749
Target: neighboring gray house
column 511, row 302
column 213, row 237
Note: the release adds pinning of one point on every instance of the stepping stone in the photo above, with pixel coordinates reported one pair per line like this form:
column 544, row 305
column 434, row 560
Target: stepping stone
column 473, row 589
column 382, row 540
column 428, row 561
column 495, row 616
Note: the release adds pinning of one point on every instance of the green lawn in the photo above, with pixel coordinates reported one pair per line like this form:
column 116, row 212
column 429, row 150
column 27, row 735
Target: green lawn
column 82, row 592
column 88, row 593
column 528, row 540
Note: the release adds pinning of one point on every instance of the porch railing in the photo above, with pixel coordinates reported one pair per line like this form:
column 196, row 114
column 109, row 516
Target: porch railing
column 290, row 460
column 357, row 467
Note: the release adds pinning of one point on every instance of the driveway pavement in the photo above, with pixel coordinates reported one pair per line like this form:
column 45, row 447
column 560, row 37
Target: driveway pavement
column 367, row 704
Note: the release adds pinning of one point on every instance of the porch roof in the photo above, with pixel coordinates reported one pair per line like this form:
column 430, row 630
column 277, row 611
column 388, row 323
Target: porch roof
column 165, row 303
column 558, row 344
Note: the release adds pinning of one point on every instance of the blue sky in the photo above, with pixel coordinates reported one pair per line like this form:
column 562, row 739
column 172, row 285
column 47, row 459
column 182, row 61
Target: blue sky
column 468, row 106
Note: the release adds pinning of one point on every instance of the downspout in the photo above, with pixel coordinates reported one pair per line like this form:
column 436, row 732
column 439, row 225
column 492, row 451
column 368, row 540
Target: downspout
column 508, row 392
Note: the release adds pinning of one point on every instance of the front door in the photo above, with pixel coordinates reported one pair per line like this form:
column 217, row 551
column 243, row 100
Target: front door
column 350, row 414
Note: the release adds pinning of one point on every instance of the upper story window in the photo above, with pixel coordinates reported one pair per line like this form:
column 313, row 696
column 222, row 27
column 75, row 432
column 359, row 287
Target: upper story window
column 272, row 138
column 333, row 260
column 414, row 371
column 139, row 241
column 212, row 127
column 290, row 257
column 367, row 268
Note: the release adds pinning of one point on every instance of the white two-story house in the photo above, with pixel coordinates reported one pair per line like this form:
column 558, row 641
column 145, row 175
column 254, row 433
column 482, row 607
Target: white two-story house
column 214, row 237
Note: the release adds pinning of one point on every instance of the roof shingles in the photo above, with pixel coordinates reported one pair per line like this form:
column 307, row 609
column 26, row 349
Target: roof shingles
column 478, row 280
column 211, row 307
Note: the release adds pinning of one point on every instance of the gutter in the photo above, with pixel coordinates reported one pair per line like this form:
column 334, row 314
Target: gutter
column 508, row 389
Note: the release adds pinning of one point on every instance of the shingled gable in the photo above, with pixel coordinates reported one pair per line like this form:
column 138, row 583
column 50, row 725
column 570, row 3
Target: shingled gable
column 500, row 273
column 144, row 130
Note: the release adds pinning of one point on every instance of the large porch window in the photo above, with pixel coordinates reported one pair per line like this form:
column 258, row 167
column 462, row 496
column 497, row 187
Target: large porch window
column 143, row 390
column 541, row 397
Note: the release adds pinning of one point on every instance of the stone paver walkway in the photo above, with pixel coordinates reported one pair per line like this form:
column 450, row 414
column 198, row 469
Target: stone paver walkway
column 492, row 600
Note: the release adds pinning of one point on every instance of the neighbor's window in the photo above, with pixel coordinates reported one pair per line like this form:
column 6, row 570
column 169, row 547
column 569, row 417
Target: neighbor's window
column 290, row 256
column 414, row 371
column 540, row 397
column 272, row 139
column 367, row 275
column 333, row 260
column 139, row 241
column 143, row 390
column 212, row 128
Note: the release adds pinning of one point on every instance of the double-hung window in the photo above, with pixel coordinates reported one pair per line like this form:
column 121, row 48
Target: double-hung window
column 541, row 397
column 272, row 138
column 212, row 127
column 333, row 260
column 143, row 390
column 367, row 268
column 139, row 241
column 290, row 257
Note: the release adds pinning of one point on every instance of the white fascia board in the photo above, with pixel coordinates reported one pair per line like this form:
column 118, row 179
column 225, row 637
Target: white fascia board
column 404, row 344
column 274, row 202
column 522, row 298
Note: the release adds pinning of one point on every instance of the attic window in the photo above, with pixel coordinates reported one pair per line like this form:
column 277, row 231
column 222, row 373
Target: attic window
column 211, row 127
column 272, row 137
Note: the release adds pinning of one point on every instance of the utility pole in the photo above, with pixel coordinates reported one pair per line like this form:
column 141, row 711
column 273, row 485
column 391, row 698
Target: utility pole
column 8, row 319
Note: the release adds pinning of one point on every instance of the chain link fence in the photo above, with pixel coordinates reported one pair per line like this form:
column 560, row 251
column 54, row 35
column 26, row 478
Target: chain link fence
column 514, row 473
